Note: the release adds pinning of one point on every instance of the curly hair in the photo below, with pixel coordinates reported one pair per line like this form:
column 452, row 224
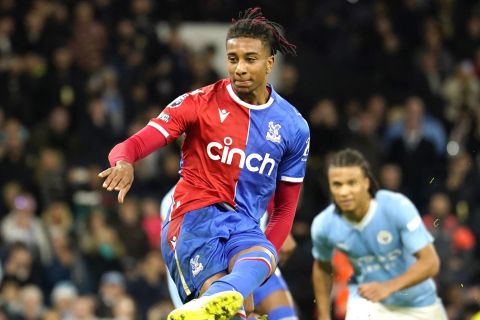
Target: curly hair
column 252, row 24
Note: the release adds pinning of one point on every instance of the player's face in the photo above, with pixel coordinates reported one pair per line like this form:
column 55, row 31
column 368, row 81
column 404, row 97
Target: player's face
column 249, row 61
column 349, row 189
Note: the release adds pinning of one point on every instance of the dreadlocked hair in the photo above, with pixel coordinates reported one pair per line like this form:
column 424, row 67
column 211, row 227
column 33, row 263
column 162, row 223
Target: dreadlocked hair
column 252, row 24
column 352, row 158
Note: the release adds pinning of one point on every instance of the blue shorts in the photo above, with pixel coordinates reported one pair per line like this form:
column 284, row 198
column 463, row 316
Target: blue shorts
column 207, row 240
column 274, row 283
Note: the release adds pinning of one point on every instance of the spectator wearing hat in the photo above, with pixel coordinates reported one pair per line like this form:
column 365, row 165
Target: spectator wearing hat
column 63, row 297
column 111, row 290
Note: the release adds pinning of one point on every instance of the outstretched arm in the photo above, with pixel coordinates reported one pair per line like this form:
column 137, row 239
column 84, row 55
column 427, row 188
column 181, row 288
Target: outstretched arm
column 322, row 285
column 426, row 266
column 119, row 177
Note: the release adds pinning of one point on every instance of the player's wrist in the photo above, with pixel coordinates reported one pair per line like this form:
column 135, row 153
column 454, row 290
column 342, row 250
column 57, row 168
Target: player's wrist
column 323, row 313
column 123, row 163
column 392, row 286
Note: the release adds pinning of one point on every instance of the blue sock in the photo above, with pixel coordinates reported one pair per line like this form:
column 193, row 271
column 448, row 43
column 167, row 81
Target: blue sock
column 248, row 273
column 285, row 312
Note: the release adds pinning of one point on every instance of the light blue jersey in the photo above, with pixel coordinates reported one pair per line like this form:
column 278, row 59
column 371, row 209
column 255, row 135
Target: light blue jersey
column 380, row 247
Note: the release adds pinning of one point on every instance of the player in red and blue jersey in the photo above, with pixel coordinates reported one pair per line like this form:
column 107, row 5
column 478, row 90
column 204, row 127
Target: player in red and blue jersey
column 243, row 143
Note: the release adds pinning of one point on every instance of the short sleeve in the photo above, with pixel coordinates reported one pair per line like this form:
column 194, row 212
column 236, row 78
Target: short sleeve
column 177, row 117
column 322, row 249
column 413, row 232
column 293, row 165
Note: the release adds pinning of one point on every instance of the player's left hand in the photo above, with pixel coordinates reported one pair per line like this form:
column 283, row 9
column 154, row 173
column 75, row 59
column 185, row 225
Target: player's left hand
column 374, row 291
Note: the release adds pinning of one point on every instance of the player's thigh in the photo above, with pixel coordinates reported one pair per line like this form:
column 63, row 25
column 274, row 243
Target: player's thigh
column 193, row 248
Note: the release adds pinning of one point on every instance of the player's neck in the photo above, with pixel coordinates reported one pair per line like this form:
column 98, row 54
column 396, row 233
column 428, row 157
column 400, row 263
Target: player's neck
column 258, row 96
column 359, row 213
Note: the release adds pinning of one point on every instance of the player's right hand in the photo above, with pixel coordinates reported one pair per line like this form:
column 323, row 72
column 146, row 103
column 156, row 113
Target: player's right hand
column 118, row 178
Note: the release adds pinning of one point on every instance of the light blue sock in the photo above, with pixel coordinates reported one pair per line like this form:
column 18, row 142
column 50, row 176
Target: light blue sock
column 248, row 273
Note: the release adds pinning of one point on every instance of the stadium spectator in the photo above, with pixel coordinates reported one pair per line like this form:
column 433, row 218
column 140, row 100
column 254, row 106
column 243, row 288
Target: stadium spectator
column 413, row 146
column 63, row 298
column 50, row 176
column 455, row 243
column 130, row 232
column 9, row 298
column 67, row 264
column 112, row 289
column 149, row 285
column 460, row 184
column 22, row 225
column 58, row 218
column 100, row 245
column 31, row 303
column 84, row 308
column 124, row 308
column 152, row 221
column 55, row 133
column 461, row 91
column 89, row 38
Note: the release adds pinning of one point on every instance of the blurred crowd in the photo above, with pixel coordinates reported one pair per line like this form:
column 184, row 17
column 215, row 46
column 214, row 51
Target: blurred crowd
column 399, row 80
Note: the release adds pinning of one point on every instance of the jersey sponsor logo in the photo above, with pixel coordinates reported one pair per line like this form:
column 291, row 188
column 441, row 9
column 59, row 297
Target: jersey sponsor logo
column 164, row 117
column 223, row 114
column 197, row 266
column 273, row 132
column 378, row 262
column 254, row 162
column 384, row 237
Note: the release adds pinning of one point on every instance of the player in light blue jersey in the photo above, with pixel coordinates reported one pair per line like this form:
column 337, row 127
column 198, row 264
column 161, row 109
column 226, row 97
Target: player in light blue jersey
column 389, row 247
column 272, row 298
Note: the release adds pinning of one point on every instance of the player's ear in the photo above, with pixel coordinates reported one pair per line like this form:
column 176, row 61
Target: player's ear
column 270, row 61
column 367, row 183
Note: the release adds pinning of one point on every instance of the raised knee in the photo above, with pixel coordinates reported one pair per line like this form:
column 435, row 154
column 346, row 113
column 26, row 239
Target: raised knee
column 260, row 256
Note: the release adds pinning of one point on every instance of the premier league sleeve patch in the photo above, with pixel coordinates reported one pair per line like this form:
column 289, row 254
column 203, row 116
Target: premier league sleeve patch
column 178, row 101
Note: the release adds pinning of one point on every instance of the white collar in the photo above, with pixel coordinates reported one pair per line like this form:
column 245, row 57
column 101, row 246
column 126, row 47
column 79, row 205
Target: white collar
column 248, row 105
column 366, row 219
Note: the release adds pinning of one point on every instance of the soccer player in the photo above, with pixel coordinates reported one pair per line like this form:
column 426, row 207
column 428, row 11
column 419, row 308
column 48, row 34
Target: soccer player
column 272, row 298
column 243, row 142
column 384, row 238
